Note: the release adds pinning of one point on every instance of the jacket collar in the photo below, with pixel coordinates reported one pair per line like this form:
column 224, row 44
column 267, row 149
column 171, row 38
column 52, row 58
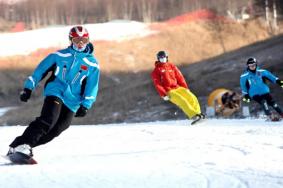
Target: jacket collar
column 158, row 64
column 253, row 72
column 86, row 52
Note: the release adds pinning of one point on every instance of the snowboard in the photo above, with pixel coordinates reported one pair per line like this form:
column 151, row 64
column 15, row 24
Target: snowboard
column 21, row 158
column 199, row 118
column 273, row 117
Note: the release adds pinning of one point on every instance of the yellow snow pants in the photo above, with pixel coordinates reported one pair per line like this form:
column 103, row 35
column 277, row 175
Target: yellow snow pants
column 185, row 100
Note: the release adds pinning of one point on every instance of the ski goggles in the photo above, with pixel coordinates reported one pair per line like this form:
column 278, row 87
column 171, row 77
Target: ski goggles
column 252, row 65
column 162, row 56
column 77, row 40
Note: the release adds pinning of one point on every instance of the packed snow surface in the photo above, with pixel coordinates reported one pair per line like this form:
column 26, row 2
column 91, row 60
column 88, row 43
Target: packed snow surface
column 213, row 154
column 23, row 43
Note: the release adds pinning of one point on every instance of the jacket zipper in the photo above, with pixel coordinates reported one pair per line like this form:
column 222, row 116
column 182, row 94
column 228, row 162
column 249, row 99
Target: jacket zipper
column 74, row 60
column 73, row 81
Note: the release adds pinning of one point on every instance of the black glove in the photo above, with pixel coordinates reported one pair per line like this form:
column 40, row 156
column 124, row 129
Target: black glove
column 246, row 98
column 82, row 111
column 25, row 95
column 280, row 83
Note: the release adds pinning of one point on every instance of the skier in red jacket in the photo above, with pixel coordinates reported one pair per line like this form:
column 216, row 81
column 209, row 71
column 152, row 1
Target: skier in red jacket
column 171, row 85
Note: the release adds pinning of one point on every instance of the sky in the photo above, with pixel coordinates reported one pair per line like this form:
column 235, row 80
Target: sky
column 23, row 43
column 171, row 154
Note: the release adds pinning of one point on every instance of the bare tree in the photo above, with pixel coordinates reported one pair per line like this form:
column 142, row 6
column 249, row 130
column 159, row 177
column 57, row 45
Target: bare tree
column 38, row 13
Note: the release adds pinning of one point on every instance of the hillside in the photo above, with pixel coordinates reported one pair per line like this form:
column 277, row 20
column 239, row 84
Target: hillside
column 186, row 42
column 140, row 101
column 126, row 90
column 130, row 97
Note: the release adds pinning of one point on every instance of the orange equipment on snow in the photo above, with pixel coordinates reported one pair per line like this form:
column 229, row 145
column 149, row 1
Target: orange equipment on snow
column 224, row 101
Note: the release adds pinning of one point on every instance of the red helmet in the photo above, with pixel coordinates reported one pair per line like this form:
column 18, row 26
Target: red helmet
column 78, row 31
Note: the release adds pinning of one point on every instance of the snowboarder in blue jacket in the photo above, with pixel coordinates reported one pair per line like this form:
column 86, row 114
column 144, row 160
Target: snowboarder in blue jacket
column 253, row 85
column 70, row 91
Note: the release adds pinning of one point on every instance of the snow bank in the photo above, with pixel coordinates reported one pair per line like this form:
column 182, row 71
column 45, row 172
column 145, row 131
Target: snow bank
column 23, row 43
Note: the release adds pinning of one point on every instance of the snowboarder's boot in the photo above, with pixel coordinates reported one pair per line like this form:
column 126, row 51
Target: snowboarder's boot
column 21, row 154
column 11, row 151
column 24, row 148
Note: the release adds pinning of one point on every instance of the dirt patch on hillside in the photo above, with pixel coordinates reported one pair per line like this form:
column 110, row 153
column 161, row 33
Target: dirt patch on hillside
column 126, row 92
column 186, row 43
column 203, row 14
column 131, row 97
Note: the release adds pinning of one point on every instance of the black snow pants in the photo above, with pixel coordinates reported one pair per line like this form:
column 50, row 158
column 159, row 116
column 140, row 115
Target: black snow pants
column 265, row 101
column 55, row 117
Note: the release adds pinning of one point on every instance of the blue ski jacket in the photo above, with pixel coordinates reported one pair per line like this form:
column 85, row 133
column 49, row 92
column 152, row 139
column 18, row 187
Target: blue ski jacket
column 255, row 83
column 74, row 79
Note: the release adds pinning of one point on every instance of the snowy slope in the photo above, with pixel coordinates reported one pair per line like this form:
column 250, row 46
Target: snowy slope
column 23, row 43
column 214, row 154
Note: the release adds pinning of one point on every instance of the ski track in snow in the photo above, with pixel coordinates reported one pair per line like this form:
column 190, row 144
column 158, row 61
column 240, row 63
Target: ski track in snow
column 213, row 154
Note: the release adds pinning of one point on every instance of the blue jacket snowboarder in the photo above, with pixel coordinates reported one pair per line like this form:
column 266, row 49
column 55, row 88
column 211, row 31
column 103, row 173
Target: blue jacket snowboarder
column 70, row 91
column 253, row 85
